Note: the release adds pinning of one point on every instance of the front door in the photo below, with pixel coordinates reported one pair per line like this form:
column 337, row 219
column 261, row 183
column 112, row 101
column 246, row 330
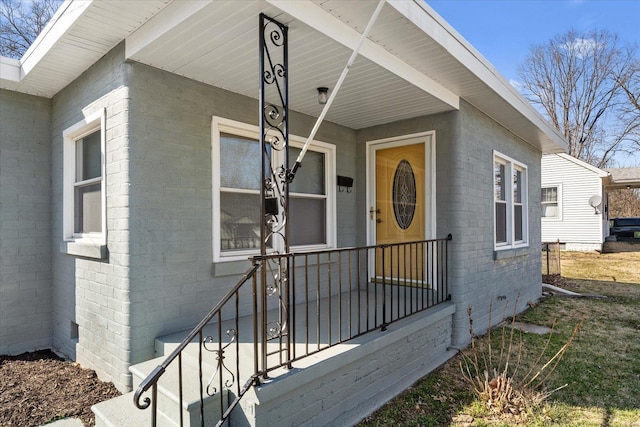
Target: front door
column 399, row 210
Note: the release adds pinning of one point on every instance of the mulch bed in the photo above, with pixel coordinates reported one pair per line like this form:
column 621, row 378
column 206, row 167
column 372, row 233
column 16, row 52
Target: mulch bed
column 39, row 387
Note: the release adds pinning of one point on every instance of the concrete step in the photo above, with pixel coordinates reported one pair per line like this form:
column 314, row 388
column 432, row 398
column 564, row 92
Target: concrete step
column 169, row 391
column 121, row 412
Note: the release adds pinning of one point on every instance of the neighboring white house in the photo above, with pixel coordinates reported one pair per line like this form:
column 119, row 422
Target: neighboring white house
column 574, row 203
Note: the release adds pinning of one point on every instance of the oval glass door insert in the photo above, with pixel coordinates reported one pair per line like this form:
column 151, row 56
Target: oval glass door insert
column 404, row 194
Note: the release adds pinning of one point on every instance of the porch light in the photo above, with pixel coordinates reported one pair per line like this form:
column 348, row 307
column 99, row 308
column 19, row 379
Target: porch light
column 322, row 95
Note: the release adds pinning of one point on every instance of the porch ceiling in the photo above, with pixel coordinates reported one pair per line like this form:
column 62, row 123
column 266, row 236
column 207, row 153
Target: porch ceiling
column 413, row 63
column 204, row 46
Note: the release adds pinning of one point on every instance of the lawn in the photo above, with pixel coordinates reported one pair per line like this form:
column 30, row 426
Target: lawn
column 601, row 368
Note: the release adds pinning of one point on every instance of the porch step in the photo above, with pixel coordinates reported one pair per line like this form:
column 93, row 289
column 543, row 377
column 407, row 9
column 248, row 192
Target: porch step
column 121, row 411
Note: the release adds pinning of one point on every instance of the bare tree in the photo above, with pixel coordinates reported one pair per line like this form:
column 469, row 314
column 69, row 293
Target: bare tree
column 624, row 203
column 630, row 113
column 575, row 80
column 21, row 22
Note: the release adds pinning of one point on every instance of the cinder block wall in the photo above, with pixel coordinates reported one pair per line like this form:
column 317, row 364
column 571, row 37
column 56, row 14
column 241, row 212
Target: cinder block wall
column 174, row 282
column 94, row 293
column 25, row 231
column 480, row 275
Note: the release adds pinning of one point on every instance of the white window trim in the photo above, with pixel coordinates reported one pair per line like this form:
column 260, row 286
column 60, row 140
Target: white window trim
column 558, row 201
column 222, row 125
column 70, row 135
column 510, row 164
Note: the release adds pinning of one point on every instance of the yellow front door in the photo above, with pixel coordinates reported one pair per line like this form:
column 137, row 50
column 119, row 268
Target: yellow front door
column 399, row 213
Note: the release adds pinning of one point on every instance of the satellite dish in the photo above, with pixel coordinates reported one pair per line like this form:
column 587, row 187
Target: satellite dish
column 595, row 201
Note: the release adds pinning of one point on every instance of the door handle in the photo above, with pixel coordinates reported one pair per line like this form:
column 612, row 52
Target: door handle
column 378, row 220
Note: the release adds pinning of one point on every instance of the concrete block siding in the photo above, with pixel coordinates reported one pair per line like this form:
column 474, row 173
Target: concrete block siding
column 25, row 232
column 93, row 293
column 480, row 275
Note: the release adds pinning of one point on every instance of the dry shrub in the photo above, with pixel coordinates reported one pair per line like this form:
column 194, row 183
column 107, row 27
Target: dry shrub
column 500, row 377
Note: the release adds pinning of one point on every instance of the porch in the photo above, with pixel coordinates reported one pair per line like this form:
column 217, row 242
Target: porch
column 325, row 343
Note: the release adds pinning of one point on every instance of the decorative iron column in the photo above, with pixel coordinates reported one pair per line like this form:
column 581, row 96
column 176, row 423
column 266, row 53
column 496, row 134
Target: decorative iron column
column 274, row 130
column 274, row 140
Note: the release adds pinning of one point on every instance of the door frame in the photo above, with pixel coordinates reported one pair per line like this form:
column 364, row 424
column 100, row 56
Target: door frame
column 429, row 140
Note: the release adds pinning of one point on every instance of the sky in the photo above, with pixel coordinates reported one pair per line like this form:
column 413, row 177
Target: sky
column 503, row 31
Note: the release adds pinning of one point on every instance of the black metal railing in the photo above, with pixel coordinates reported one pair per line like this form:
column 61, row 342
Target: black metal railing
column 298, row 305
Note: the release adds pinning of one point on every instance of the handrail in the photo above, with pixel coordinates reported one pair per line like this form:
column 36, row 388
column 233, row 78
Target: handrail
column 155, row 375
column 301, row 304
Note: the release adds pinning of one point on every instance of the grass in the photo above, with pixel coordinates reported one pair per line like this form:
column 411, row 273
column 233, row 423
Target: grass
column 601, row 368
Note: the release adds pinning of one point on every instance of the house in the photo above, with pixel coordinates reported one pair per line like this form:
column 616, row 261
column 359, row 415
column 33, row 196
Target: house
column 131, row 188
column 574, row 203
column 575, row 198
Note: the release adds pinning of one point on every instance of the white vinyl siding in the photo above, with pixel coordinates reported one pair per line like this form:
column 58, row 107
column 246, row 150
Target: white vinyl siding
column 577, row 182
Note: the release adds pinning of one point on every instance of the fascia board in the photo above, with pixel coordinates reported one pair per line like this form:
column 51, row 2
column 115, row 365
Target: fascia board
column 322, row 21
column 60, row 24
column 425, row 18
column 162, row 23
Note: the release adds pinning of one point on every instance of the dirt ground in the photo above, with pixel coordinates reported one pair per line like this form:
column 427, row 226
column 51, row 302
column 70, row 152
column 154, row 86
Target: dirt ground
column 38, row 388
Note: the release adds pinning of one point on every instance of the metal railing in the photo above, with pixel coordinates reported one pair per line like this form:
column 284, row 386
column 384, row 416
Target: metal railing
column 296, row 305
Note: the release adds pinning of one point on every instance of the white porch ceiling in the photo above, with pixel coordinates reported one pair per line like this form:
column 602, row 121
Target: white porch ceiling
column 205, row 46
column 413, row 63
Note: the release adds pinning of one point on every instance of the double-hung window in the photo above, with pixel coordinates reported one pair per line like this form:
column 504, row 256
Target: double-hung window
column 550, row 202
column 510, row 202
column 83, row 181
column 236, row 180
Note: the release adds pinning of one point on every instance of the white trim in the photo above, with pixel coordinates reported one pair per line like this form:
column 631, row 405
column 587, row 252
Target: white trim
column 319, row 19
column 220, row 124
column 511, row 164
column 429, row 140
column 84, row 127
column 65, row 18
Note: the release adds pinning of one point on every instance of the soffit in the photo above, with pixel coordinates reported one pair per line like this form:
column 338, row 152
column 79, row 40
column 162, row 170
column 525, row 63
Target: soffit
column 79, row 34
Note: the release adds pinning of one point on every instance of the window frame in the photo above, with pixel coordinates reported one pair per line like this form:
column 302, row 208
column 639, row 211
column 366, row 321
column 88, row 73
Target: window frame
column 510, row 167
column 222, row 125
column 558, row 202
column 90, row 124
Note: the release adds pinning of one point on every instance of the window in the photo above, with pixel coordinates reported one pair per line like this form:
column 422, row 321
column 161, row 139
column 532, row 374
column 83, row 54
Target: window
column 236, row 193
column 83, row 181
column 550, row 202
column 510, row 202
